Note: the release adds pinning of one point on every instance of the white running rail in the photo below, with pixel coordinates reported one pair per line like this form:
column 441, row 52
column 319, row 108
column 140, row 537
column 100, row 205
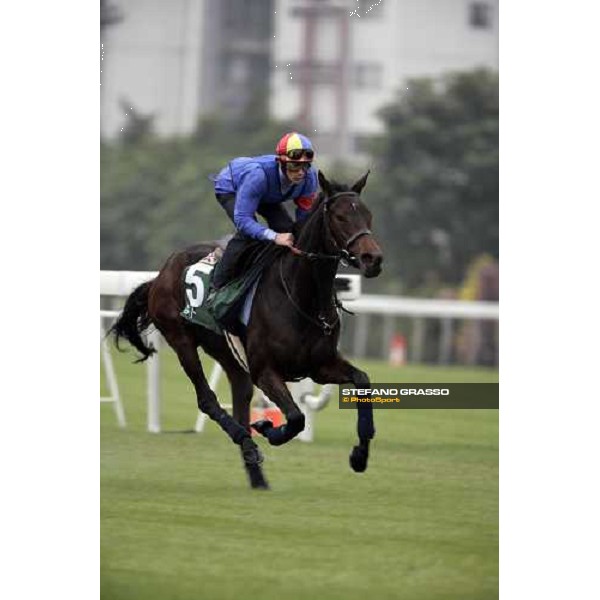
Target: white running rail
column 111, row 377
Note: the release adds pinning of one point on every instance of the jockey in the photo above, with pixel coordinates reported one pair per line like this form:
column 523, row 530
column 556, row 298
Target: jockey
column 261, row 184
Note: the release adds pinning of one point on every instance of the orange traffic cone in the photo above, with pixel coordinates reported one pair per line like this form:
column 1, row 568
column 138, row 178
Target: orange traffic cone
column 272, row 413
column 397, row 357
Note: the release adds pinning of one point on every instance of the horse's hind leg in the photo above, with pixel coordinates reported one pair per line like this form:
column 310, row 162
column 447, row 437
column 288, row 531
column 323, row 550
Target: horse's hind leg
column 276, row 390
column 242, row 390
column 183, row 344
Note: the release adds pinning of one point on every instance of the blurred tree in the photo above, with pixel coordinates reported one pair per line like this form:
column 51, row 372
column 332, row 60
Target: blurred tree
column 435, row 197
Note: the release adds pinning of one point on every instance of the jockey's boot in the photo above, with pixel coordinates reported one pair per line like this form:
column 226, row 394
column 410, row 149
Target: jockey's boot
column 225, row 269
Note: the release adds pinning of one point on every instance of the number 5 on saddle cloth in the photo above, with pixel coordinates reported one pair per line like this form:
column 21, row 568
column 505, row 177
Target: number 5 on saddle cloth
column 220, row 309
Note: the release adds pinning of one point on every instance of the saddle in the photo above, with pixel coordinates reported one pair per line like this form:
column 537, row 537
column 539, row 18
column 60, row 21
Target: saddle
column 223, row 309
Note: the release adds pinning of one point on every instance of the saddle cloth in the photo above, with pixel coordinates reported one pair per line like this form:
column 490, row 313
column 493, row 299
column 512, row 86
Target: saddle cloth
column 224, row 311
column 196, row 283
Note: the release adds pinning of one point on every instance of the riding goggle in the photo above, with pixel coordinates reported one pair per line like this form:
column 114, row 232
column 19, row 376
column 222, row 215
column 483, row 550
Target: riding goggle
column 299, row 154
column 297, row 166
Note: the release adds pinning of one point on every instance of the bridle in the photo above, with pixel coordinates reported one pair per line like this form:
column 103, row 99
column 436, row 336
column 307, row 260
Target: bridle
column 342, row 254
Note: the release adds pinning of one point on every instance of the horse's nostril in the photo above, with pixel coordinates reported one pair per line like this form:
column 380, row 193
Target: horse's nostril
column 367, row 258
column 371, row 260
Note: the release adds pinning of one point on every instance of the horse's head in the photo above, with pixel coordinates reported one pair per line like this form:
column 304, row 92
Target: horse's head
column 349, row 222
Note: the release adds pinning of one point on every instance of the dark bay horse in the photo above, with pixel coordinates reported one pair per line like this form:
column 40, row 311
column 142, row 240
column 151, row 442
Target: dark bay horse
column 293, row 329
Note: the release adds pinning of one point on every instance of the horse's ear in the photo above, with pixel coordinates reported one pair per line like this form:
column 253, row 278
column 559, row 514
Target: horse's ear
column 324, row 183
column 360, row 184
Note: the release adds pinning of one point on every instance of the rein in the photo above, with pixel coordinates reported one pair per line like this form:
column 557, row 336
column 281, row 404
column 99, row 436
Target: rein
column 343, row 255
column 321, row 321
column 314, row 255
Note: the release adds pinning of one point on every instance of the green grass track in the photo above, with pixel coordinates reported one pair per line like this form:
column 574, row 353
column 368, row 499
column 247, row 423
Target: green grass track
column 178, row 520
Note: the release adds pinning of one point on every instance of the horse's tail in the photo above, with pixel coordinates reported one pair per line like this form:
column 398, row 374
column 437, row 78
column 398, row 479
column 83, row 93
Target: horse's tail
column 133, row 321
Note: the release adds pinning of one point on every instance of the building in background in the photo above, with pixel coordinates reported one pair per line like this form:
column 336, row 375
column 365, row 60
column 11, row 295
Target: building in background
column 336, row 62
column 181, row 59
column 327, row 65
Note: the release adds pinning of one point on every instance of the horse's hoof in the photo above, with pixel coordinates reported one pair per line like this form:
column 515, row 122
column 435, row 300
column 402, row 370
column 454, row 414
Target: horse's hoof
column 261, row 485
column 262, row 426
column 358, row 459
column 256, row 477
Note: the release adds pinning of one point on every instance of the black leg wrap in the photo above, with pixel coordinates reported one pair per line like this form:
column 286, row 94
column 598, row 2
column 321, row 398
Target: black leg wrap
column 232, row 428
column 365, row 426
column 277, row 435
column 262, row 426
column 284, row 433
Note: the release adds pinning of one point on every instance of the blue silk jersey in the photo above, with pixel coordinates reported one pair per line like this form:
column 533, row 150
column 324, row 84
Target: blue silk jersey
column 257, row 181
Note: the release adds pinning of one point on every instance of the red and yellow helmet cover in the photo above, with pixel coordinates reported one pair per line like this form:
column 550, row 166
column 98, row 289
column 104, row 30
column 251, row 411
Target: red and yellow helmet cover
column 293, row 141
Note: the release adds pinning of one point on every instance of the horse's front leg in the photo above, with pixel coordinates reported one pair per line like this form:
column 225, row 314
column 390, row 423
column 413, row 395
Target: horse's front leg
column 276, row 390
column 341, row 371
